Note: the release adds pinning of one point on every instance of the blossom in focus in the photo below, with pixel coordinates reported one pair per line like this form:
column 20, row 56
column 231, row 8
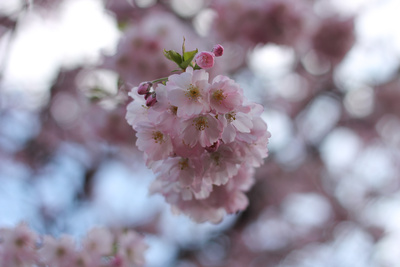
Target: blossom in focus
column 153, row 141
column 224, row 94
column 202, row 140
column 188, row 92
column 205, row 129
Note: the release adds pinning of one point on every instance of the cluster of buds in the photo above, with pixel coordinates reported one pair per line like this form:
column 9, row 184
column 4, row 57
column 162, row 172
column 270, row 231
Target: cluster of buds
column 20, row 246
column 145, row 89
column 201, row 138
column 205, row 59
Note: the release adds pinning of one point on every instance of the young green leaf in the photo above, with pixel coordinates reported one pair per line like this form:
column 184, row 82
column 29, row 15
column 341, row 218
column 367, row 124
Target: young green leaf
column 173, row 56
column 188, row 58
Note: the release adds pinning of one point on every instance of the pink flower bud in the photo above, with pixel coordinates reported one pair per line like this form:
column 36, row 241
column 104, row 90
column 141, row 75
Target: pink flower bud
column 218, row 50
column 151, row 100
column 205, row 59
column 147, row 95
column 214, row 147
column 144, row 88
column 117, row 261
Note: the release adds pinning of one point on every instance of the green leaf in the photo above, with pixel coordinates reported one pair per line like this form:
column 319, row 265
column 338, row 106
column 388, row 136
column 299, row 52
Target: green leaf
column 173, row 56
column 190, row 55
column 197, row 67
column 188, row 58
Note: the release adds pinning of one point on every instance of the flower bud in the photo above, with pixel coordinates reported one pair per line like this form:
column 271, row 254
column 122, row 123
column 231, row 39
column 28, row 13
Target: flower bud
column 214, row 147
column 144, row 88
column 151, row 100
column 205, row 59
column 147, row 95
column 218, row 50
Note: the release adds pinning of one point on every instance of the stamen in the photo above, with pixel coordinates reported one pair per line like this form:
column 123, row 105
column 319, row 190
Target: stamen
column 183, row 164
column 173, row 110
column 200, row 123
column 216, row 157
column 231, row 116
column 19, row 242
column 218, row 95
column 193, row 92
column 158, row 137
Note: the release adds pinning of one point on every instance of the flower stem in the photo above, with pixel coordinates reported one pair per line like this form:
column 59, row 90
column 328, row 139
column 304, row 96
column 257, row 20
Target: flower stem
column 160, row 80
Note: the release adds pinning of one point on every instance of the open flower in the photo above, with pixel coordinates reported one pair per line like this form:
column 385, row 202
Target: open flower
column 204, row 129
column 224, row 94
column 188, row 92
column 222, row 164
column 185, row 176
column 17, row 245
column 153, row 141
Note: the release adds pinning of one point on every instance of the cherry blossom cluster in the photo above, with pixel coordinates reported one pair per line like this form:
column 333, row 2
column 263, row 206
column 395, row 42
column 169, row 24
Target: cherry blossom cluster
column 202, row 138
column 20, row 246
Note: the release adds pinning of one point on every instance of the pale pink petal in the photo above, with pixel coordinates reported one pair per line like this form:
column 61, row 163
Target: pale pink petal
column 229, row 134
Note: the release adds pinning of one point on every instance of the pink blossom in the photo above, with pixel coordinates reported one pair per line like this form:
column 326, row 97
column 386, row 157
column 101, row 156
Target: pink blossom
column 136, row 110
column 153, row 141
column 205, row 59
column 224, row 199
column 183, row 149
column 224, row 94
column 185, row 176
column 254, row 144
column 188, row 92
column 163, row 113
column 203, row 129
column 238, row 120
column 18, row 246
column 231, row 196
column 181, row 200
column 222, row 164
column 200, row 140
column 58, row 252
column 98, row 241
column 131, row 248
column 84, row 259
